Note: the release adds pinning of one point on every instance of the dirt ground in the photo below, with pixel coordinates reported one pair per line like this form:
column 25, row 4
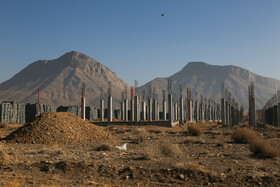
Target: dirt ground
column 155, row 156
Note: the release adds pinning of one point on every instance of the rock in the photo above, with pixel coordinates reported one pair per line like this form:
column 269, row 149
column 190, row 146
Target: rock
column 182, row 176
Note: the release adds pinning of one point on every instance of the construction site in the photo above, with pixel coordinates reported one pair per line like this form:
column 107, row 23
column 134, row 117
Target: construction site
column 191, row 141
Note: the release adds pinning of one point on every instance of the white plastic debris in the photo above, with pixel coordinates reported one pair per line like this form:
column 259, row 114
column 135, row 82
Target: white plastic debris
column 123, row 147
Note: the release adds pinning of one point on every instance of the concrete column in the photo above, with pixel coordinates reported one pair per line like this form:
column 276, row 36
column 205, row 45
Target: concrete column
column 170, row 109
column 229, row 114
column 122, row 111
column 155, row 110
column 110, row 109
column 278, row 109
column 181, row 111
column 126, row 110
column 101, row 110
column 278, row 115
column 136, row 108
column 131, row 109
column 175, row 111
column 202, row 112
column 223, row 115
column 191, row 110
column 252, row 107
column 226, row 113
column 150, row 110
column 164, row 110
column 196, row 111
column 143, row 110
column 83, row 108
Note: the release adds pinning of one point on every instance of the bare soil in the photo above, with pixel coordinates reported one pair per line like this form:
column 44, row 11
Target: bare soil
column 155, row 156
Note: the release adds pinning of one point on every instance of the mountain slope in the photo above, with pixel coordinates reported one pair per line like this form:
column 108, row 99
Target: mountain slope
column 60, row 81
column 205, row 79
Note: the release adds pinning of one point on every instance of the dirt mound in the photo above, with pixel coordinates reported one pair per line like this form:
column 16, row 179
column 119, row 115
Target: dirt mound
column 57, row 128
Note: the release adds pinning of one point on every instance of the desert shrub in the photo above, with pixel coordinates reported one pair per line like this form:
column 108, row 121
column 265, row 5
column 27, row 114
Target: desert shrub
column 264, row 149
column 168, row 149
column 142, row 135
column 3, row 124
column 104, row 147
column 189, row 166
column 194, row 130
column 244, row 135
column 52, row 151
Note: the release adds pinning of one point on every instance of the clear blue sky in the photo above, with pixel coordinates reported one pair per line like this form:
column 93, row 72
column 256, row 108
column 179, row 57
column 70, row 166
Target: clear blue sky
column 135, row 41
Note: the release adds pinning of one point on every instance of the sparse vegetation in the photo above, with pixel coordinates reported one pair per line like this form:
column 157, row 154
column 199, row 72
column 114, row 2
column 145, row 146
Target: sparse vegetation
column 264, row 149
column 194, row 130
column 168, row 149
column 52, row 151
column 244, row 135
column 142, row 135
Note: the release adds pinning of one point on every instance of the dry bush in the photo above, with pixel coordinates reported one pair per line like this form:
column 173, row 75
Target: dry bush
column 244, row 135
column 194, row 130
column 264, row 149
column 162, row 148
column 104, row 147
column 142, row 135
column 52, row 151
column 194, row 140
column 190, row 167
column 3, row 124
column 168, row 149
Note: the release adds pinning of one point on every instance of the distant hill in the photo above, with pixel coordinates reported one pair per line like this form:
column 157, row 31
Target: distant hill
column 205, row 79
column 60, row 81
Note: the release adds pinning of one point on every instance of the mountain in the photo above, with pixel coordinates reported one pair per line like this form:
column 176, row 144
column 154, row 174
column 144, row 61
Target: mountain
column 60, row 82
column 205, row 80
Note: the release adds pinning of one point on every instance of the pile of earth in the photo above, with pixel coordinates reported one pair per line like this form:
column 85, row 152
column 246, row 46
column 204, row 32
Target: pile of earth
column 57, row 128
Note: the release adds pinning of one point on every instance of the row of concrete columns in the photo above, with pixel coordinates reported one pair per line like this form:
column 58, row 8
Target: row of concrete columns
column 271, row 111
column 183, row 110
column 229, row 108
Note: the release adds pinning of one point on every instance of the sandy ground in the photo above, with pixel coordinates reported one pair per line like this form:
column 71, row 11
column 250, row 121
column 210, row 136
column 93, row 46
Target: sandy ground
column 155, row 156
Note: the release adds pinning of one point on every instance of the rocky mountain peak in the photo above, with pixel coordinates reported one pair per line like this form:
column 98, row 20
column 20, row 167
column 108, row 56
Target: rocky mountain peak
column 60, row 81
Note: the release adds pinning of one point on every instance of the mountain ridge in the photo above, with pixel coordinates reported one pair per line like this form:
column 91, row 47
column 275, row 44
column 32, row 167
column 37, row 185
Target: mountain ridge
column 60, row 81
column 204, row 79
